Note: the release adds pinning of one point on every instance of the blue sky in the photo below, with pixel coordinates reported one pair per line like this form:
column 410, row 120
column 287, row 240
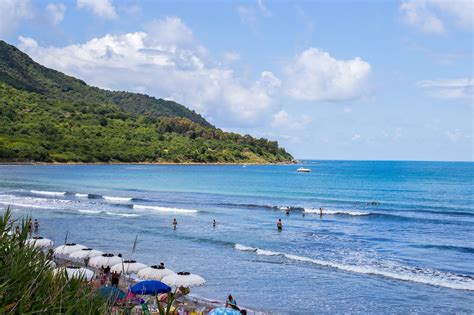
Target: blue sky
column 327, row 79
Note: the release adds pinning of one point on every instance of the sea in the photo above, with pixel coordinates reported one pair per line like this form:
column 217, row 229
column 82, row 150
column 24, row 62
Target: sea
column 394, row 237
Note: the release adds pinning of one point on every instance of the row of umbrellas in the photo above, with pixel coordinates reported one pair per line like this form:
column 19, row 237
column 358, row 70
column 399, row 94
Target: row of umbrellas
column 98, row 259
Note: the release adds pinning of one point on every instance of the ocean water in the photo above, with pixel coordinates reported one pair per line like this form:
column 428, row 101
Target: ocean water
column 394, row 237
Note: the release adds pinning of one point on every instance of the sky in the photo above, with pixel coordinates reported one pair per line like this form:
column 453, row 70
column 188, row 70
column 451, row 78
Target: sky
column 353, row 80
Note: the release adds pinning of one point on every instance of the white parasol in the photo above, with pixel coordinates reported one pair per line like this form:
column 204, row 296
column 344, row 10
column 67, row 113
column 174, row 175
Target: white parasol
column 106, row 260
column 128, row 267
column 154, row 273
column 85, row 253
column 76, row 272
column 183, row 279
column 40, row 242
column 65, row 250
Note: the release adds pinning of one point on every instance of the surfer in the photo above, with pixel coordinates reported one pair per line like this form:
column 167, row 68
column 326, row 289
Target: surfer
column 279, row 225
column 175, row 223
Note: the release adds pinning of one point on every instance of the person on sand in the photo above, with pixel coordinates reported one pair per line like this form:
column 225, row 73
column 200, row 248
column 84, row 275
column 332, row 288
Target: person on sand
column 279, row 225
column 36, row 225
column 115, row 279
column 30, row 226
column 232, row 303
column 175, row 223
column 17, row 230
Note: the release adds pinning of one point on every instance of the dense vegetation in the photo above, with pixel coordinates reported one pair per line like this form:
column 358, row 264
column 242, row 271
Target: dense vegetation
column 50, row 117
column 28, row 285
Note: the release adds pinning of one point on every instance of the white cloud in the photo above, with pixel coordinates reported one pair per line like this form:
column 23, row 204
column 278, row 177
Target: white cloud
column 170, row 30
column 283, row 120
column 355, row 137
column 454, row 135
column 231, row 56
column 263, row 8
column 55, row 12
column 462, row 88
column 314, row 75
column 431, row 16
column 101, row 8
column 249, row 14
column 12, row 13
column 174, row 70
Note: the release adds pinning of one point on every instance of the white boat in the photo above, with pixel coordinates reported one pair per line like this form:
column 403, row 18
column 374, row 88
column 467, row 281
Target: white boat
column 303, row 170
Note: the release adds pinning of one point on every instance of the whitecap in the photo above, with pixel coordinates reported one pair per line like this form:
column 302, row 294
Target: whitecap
column 164, row 209
column 336, row 212
column 117, row 199
column 123, row 214
column 48, row 193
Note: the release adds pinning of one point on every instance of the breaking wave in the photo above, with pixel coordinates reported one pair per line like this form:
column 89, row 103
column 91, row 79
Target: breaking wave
column 398, row 272
column 164, row 209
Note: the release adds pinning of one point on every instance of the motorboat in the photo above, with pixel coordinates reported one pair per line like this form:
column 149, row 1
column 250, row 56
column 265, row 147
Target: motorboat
column 303, row 170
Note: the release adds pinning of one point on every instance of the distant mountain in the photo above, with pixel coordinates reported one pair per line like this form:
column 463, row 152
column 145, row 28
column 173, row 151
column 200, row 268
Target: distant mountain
column 48, row 116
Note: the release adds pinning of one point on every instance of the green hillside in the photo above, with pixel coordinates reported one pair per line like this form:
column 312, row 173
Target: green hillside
column 48, row 116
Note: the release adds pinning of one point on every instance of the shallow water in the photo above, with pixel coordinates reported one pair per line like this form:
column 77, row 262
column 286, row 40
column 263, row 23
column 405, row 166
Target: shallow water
column 394, row 237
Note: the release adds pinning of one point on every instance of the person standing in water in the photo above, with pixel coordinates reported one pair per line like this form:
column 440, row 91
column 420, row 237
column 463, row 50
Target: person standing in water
column 214, row 223
column 287, row 210
column 36, row 225
column 279, row 225
column 321, row 212
column 175, row 223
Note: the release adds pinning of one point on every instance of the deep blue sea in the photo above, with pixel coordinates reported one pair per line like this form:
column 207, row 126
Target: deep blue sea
column 394, row 237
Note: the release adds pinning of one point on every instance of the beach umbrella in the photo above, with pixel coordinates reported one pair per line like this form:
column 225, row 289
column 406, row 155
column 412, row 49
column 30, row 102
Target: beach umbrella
column 154, row 273
column 224, row 311
column 85, row 253
column 149, row 287
column 128, row 267
column 184, row 279
column 65, row 250
column 40, row 242
column 76, row 272
column 106, row 260
column 112, row 293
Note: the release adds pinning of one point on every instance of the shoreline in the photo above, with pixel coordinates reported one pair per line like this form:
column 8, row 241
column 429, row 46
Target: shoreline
column 149, row 163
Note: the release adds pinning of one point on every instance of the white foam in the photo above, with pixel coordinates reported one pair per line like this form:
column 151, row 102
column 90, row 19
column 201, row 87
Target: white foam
column 266, row 252
column 48, row 193
column 123, row 214
column 398, row 272
column 244, row 248
column 90, row 211
column 336, row 212
column 81, row 195
column 164, row 209
column 117, row 199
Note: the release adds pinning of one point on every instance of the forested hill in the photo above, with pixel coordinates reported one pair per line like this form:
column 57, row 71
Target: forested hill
column 48, row 116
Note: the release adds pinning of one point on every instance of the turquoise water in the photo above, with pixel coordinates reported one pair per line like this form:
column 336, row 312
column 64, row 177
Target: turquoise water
column 395, row 237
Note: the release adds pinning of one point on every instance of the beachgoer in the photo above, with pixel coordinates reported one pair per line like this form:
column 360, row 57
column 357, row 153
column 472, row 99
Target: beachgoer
column 115, row 279
column 17, row 230
column 287, row 210
column 232, row 303
column 279, row 225
column 30, row 226
column 320, row 212
column 37, row 225
column 86, row 261
column 175, row 223
column 214, row 223
column 303, row 213
column 162, row 265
